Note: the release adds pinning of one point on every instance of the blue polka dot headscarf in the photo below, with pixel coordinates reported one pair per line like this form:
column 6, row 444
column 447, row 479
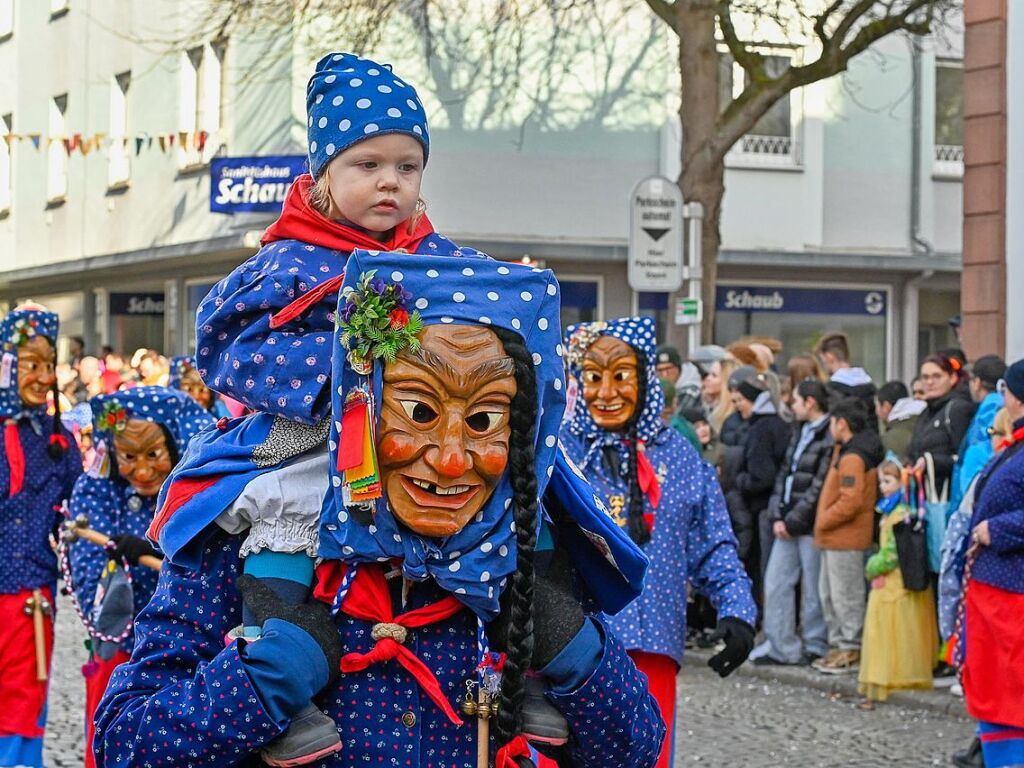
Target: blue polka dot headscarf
column 639, row 333
column 349, row 99
column 475, row 563
column 180, row 365
column 17, row 327
column 178, row 413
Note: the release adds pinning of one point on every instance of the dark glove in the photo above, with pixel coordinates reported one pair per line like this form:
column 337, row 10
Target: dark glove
column 131, row 548
column 557, row 614
column 739, row 642
column 314, row 618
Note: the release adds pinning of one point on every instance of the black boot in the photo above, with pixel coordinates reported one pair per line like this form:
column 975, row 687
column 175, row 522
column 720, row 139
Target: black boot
column 970, row 757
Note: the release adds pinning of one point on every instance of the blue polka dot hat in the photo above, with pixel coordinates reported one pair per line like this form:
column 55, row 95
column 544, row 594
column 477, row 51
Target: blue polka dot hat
column 475, row 563
column 18, row 327
column 178, row 413
column 349, row 99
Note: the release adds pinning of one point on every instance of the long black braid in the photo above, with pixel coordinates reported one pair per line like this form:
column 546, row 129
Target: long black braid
column 638, row 529
column 58, row 445
column 519, row 643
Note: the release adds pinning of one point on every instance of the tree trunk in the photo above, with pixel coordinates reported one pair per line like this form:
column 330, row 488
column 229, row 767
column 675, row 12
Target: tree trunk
column 702, row 178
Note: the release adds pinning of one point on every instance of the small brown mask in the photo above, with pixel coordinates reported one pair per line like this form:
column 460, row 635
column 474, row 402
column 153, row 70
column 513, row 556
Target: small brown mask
column 193, row 386
column 36, row 370
column 610, row 387
column 143, row 456
column 444, row 429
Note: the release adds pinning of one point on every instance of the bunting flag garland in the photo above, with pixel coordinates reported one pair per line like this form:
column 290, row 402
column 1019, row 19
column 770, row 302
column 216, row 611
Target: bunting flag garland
column 86, row 143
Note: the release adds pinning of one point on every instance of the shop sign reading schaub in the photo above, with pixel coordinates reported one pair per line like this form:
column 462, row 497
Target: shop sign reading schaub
column 824, row 301
column 136, row 303
column 243, row 184
column 656, row 236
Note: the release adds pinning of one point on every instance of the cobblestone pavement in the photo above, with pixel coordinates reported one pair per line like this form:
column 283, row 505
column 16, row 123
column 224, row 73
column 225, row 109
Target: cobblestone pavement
column 743, row 721
column 740, row 721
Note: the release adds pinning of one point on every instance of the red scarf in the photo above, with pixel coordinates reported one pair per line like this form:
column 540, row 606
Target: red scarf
column 1016, row 437
column 300, row 221
column 368, row 599
column 15, row 456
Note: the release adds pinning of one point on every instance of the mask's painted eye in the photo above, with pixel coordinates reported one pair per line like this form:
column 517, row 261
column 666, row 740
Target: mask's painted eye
column 484, row 421
column 591, row 377
column 419, row 412
column 623, row 375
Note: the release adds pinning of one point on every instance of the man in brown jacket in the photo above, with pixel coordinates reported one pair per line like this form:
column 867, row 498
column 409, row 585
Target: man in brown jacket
column 843, row 530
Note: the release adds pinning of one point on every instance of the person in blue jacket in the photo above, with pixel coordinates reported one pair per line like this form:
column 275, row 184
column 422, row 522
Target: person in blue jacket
column 142, row 433
column 668, row 499
column 447, row 578
column 976, row 447
column 185, row 377
column 38, row 467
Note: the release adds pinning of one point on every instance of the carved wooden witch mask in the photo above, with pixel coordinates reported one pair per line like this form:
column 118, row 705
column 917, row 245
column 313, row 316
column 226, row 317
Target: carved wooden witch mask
column 610, row 386
column 143, row 456
column 36, row 370
column 444, row 432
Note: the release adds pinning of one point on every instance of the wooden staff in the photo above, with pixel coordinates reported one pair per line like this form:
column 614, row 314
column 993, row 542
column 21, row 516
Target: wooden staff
column 37, row 606
column 79, row 529
column 483, row 728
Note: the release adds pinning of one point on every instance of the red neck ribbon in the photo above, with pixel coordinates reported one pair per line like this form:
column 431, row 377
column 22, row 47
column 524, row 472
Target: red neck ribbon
column 15, row 456
column 368, row 599
column 646, row 476
column 518, row 747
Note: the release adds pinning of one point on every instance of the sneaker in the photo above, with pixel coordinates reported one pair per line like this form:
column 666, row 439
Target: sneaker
column 311, row 735
column 957, row 690
column 944, row 675
column 839, row 663
column 771, row 661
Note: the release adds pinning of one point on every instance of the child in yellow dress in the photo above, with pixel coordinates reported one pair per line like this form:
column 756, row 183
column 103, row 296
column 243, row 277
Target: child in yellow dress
column 900, row 633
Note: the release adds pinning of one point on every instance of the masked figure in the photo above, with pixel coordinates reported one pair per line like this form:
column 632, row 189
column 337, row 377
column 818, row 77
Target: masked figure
column 185, row 376
column 38, row 467
column 142, row 433
column 664, row 495
column 444, row 578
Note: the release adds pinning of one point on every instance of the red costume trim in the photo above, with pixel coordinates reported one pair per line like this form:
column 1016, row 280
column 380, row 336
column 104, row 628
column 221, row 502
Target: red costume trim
column 178, row 493
column 661, row 672
column 993, row 674
column 15, row 456
column 23, row 696
column 518, row 747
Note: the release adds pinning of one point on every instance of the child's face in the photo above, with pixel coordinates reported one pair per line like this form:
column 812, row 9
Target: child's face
column 888, row 484
column 375, row 184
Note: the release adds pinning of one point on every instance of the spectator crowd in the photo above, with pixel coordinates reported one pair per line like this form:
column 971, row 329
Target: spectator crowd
column 833, row 481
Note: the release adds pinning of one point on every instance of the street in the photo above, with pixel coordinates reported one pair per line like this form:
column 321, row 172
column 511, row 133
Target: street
column 735, row 722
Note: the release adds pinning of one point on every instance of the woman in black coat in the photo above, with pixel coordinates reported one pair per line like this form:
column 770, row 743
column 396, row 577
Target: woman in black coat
column 941, row 427
column 764, row 449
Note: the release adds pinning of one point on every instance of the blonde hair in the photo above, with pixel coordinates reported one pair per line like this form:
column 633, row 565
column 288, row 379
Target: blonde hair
column 891, row 468
column 1001, row 423
column 320, row 195
column 723, row 410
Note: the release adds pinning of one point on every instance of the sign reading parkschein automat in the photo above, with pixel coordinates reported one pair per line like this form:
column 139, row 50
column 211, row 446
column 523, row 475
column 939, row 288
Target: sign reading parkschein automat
column 656, row 236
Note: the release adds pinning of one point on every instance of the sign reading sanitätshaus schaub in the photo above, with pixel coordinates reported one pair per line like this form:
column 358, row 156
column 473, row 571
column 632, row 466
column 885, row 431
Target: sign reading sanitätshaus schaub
column 242, row 184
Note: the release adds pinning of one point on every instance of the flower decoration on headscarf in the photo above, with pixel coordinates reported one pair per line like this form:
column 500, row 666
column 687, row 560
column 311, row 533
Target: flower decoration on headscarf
column 375, row 322
column 580, row 339
column 23, row 329
column 113, row 418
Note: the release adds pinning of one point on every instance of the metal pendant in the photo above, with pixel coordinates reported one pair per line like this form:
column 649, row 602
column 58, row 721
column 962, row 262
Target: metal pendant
column 134, row 503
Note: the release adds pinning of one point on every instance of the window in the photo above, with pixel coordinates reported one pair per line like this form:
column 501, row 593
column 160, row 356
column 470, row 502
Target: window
column 654, row 305
column 949, row 119
column 772, row 140
column 581, row 300
column 6, row 153
column 57, row 156
column 6, row 18
column 202, row 103
column 118, row 163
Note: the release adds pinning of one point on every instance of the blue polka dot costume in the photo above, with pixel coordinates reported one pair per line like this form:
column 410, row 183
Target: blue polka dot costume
column 111, row 504
column 28, row 516
column 692, row 539
column 221, row 704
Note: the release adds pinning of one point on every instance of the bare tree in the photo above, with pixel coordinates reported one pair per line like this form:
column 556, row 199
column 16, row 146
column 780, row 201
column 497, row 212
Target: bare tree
column 482, row 57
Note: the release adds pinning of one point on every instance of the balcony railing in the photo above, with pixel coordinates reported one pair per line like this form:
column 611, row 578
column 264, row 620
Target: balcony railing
column 754, row 150
column 949, row 161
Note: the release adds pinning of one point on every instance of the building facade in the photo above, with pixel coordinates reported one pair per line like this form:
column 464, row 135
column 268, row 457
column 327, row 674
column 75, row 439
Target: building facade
column 842, row 210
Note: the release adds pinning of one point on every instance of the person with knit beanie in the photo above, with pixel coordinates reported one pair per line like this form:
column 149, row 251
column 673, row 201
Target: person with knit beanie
column 38, row 468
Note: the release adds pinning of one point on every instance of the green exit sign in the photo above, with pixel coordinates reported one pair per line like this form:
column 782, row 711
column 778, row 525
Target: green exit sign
column 689, row 311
